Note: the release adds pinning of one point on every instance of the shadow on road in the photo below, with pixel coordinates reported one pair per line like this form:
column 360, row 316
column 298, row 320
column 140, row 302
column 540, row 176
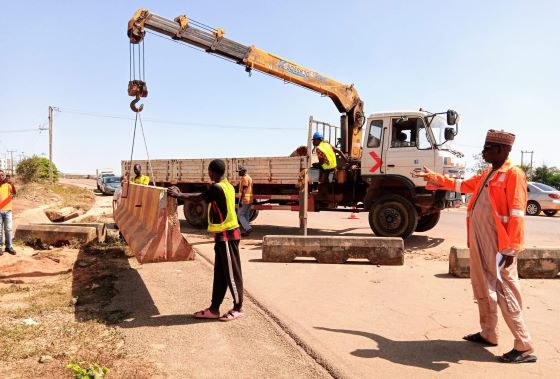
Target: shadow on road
column 435, row 355
column 416, row 242
column 259, row 231
column 95, row 276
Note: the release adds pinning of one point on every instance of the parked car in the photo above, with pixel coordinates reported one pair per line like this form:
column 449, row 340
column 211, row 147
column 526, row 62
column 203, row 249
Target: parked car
column 102, row 175
column 109, row 184
column 542, row 197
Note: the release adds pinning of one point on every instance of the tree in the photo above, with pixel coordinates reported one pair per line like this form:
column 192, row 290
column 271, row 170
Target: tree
column 34, row 169
column 479, row 164
column 547, row 175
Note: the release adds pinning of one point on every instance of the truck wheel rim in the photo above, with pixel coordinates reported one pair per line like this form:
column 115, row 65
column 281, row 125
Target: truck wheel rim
column 391, row 219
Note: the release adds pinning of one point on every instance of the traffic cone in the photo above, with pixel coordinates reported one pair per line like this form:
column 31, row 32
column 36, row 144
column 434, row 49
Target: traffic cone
column 353, row 215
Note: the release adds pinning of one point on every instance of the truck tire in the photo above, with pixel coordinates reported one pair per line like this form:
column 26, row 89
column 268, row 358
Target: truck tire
column 427, row 222
column 254, row 215
column 393, row 216
column 196, row 213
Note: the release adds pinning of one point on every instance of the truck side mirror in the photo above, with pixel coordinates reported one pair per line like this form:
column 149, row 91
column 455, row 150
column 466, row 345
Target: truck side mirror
column 449, row 134
column 452, row 117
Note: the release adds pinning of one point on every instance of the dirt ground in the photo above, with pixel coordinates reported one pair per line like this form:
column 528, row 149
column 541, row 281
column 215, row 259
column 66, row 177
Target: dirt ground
column 52, row 301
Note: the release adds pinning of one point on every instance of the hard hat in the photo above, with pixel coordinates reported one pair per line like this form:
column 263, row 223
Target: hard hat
column 317, row 135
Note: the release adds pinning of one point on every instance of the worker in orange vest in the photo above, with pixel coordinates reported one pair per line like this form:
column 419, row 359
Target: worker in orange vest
column 495, row 232
column 7, row 193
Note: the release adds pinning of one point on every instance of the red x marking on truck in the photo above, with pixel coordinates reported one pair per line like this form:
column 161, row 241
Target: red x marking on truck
column 377, row 161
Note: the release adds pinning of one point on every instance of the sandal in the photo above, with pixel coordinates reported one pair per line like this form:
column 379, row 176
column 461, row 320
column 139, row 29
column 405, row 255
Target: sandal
column 516, row 356
column 231, row 315
column 206, row 313
column 477, row 337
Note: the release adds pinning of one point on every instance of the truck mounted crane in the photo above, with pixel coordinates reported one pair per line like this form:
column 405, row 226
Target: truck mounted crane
column 378, row 177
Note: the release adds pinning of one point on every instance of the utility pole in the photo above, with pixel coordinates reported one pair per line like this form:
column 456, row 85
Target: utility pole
column 50, row 145
column 51, row 109
column 531, row 162
column 12, row 160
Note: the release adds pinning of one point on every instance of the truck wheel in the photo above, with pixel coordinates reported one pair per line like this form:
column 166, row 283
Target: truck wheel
column 533, row 208
column 254, row 214
column 393, row 216
column 196, row 213
column 427, row 222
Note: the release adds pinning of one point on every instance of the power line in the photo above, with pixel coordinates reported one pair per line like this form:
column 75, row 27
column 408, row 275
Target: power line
column 182, row 123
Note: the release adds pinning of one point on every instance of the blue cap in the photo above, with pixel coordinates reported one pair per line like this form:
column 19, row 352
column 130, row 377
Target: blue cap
column 317, row 135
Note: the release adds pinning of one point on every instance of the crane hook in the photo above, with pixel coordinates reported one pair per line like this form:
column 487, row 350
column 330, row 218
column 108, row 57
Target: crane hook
column 133, row 105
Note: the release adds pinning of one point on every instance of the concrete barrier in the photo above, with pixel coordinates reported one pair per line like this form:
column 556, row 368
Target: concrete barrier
column 334, row 249
column 533, row 263
column 56, row 235
column 100, row 228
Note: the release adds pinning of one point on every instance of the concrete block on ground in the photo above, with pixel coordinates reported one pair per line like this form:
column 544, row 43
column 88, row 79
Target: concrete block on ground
column 334, row 249
column 459, row 262
column 56, row 235
column 533, row 263
column 99, row 227
column 62, row 214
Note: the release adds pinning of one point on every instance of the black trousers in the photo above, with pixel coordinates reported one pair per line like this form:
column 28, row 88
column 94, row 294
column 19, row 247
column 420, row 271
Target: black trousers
column 227, row 273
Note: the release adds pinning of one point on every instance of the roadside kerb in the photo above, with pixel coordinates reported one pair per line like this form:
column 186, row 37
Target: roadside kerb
column 533, row 263
column 333, row 249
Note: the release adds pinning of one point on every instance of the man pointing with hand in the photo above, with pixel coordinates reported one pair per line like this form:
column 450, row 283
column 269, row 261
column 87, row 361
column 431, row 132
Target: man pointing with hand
column 495, row 237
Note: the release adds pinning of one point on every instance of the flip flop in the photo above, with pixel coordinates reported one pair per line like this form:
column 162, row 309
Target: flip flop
column 516, row 356
column 477, row 338
column 231, row 315
column 206, row 313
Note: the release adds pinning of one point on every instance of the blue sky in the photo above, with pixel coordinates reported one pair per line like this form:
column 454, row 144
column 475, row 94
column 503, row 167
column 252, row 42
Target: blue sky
column 495, row 62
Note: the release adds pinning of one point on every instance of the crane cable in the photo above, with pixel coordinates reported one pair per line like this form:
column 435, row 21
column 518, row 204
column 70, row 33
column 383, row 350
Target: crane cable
column 141, row 78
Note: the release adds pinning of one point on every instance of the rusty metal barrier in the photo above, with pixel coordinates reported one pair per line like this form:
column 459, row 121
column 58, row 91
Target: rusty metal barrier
column 148, row 220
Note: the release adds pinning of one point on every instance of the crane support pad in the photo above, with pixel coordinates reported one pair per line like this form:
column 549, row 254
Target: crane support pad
column 334, row 249
column 148, row 220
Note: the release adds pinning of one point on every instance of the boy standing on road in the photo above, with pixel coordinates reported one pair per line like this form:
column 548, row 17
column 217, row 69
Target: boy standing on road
column 222, row 222
column 7, row 192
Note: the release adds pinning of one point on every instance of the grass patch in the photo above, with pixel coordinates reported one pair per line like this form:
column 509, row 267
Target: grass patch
column 63, row 332
column 64, row 195
column 73, row 196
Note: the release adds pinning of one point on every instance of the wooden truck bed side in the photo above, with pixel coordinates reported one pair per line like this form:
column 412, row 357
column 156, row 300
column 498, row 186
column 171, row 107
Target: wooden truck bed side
column 263, row 170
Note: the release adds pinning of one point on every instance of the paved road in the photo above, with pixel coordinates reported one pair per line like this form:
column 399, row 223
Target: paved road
column 362, row 320
column 371, row 321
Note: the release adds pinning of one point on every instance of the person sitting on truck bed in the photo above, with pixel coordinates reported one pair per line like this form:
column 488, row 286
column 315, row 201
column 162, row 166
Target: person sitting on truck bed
column 326, row 153
column 139, row 178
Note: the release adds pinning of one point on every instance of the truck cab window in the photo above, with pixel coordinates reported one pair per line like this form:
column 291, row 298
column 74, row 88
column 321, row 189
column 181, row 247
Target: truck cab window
column 422, row 133
column 403, row 132
column 375, row 131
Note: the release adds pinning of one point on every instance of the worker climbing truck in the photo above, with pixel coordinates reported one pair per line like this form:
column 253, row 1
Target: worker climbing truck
column 374, row 177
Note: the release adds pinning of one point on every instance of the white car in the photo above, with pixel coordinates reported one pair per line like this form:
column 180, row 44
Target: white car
column 542, row 197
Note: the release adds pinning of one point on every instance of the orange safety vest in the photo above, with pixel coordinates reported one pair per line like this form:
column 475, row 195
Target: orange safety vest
column 6, row 195
column 248, row 182
column 508, row 198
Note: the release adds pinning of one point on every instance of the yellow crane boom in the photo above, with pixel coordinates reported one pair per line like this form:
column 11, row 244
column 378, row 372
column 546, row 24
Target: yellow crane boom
column 344, row 96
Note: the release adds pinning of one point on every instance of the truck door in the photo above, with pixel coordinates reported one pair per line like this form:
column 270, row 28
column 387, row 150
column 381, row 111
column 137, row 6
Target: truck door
column 409, row 147
column 372, row 157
